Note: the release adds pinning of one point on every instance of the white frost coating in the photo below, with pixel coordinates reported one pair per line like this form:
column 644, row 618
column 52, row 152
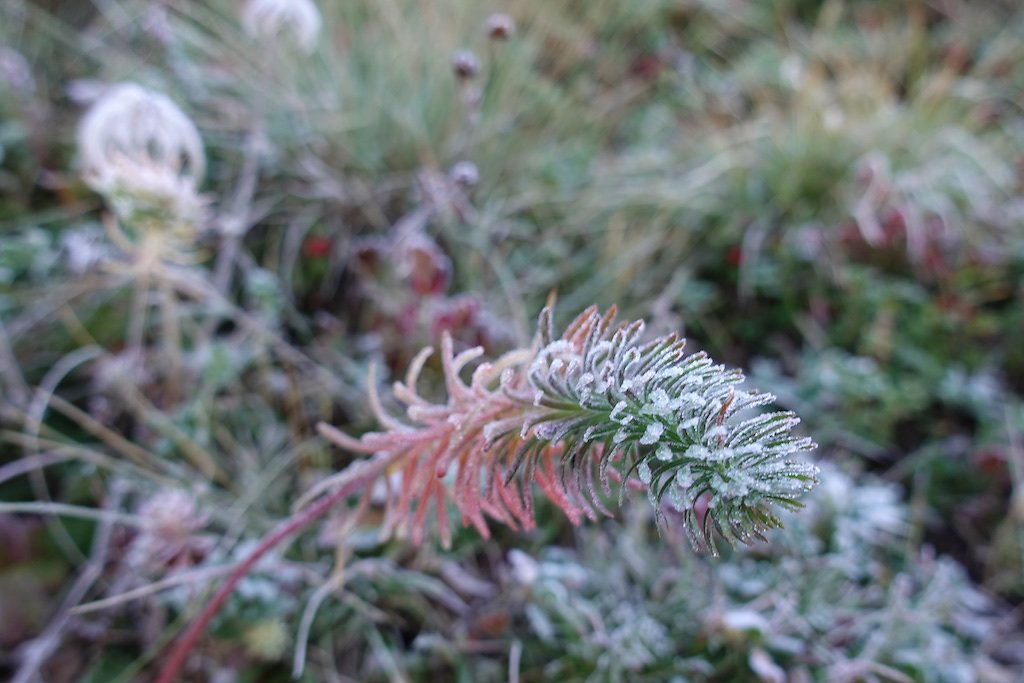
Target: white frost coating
column 692, row 399
column 684, row 480
column 686, row 424
column 741, row 620
column 660, row 403
column 677, row 495
column 650, row 391
column 545, row 431
column 525, row 569
column 585, row 386
column 734, row 487
column 638, row 383
column 643, row 471
column 554, row 351
column 491, row 430
column 716, row 432
column 652, row 434
column 698, row 452
column 720, row 454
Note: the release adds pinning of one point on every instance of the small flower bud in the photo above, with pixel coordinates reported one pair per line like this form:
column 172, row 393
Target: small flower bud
column 465, row 174
column 465, row 65
column 500, row 27
column 425, row 266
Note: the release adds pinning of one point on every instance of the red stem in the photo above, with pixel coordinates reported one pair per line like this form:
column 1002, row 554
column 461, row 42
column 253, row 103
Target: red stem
column 176, row 660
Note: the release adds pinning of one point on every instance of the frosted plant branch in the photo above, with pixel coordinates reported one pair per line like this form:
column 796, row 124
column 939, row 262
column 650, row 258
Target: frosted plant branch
column 594, row 405
column 576, row 413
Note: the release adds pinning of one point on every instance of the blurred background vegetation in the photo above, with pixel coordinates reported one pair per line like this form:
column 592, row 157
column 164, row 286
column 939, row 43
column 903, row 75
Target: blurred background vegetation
column 825, row 193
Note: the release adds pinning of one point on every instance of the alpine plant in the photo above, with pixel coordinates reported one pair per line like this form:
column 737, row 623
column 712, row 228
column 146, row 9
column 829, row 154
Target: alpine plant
column 576, row 414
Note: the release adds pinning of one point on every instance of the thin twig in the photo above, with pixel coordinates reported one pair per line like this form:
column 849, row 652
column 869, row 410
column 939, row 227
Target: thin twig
column 306, row 623
column 46, row 390
column 76, row 452
column 176, row 659
column 171, row 338
column 515, row 655
column 238, row 220
column 29, row 463
column 17, row 390
column 192, row 576
column 116, row 442
column 335, row 583
column 41, row 507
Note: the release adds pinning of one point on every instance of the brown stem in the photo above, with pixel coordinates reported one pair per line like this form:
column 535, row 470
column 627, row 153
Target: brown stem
column 176, row 660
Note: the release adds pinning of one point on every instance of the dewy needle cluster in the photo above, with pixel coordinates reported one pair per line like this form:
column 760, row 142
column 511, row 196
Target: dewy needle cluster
column 576, row 413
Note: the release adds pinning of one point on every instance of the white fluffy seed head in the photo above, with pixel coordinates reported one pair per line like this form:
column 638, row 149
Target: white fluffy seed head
column 264, row 20
column 138, row 148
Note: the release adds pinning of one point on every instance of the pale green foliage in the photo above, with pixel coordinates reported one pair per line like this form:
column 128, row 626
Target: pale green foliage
column 826, row 600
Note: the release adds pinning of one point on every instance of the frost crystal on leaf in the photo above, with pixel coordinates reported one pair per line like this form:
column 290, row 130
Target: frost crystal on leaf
column 575, row 414
column 653, row 433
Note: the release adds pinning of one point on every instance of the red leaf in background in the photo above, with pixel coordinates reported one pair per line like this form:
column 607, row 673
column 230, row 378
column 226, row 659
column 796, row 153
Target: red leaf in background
column 894, row 225
column 455, row 315
column 428, row 267
column 991, row 460
column 646, row 67
column 316, row 246
column 408, row 319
